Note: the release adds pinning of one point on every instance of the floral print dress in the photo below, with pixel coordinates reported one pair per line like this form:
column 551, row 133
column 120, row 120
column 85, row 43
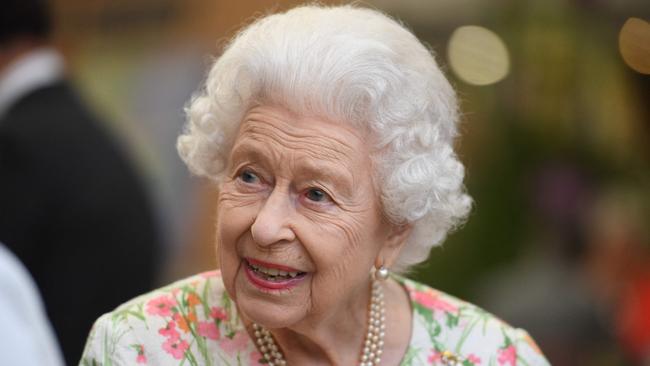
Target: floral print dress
column 194, row 322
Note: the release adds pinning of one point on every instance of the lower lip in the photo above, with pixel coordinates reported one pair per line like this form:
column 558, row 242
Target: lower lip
column 263, row 284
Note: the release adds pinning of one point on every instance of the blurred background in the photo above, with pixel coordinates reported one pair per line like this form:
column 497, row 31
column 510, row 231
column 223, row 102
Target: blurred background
column 555, row 96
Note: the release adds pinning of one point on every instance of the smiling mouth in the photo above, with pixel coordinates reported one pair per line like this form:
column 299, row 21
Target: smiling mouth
column 272, row 273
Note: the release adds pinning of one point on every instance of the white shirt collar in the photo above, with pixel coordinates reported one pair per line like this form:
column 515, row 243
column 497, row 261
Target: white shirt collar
column 36, row 69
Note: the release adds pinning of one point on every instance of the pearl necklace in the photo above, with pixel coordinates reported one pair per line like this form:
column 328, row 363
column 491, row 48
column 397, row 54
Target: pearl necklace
column 372, row 347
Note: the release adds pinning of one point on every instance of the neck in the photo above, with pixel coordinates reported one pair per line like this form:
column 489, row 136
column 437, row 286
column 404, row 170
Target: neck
column 338, row 339
column 332, row 338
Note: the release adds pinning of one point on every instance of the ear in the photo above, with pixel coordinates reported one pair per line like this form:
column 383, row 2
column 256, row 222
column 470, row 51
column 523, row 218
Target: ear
column 395, row 241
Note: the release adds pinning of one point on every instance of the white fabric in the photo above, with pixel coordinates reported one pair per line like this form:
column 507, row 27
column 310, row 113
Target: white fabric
column 26, row 337
column 36, row 69
column 195, row 322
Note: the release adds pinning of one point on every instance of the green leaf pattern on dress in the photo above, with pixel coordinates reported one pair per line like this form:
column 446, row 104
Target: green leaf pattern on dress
column 194, row 322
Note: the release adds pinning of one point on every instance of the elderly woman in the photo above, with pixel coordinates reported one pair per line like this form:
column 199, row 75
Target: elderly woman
column 329, row 132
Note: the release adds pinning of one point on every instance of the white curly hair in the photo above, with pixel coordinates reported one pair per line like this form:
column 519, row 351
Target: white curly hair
column 356, row 66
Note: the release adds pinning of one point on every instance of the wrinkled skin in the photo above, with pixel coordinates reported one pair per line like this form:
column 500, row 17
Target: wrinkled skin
column 299, row 193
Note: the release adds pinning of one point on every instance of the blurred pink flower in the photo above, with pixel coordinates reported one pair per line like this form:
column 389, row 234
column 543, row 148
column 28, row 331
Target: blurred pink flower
column 161, row 305
column 169, row 331
column 218, row 313
column 141, row 358
column 508, row 355
column 473, row 359
column 208, row 329
column 175, row 347
column 255, row 359
column 238, row 343
column 435, row 356
column 432, row 300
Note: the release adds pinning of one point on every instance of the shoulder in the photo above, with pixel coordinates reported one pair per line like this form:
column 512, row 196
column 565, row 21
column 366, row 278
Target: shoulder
column 27, row 338
column 49, row 123
column 192, row 321
column 447, row 327
column 55, row 116
column 43, row 107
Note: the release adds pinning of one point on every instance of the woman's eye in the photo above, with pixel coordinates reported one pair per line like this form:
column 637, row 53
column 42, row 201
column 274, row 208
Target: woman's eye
column 316, row 195
column 247, row 176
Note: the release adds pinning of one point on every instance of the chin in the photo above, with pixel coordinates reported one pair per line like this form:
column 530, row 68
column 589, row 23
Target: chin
column 270, row 316
column 271, row 308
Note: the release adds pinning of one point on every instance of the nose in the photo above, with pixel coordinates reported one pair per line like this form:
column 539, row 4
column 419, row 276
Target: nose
column 272, row 223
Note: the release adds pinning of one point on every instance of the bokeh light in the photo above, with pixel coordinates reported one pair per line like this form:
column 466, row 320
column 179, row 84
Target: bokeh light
column 634, row 44
column 477, row 55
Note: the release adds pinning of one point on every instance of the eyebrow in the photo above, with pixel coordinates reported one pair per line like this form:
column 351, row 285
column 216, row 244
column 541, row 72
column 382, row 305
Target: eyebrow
column 328, row 148
column 248, row 150
column 324, row 170
column 307, row 166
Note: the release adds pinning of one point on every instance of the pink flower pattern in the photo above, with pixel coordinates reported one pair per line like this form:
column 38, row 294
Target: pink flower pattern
column 237, row 343
column 169, row 331
column 434, row 357
column 473, row 359
column 218, row 313
column 176, row 347
column 255, row 359
column 140, row 357
column 432, row 300
column 161, row 305
column 508, row 355
column 209, row 330
column 194, row 322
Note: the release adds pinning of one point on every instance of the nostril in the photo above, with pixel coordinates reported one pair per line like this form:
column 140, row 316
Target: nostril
column 273, row 222
column 268, row 231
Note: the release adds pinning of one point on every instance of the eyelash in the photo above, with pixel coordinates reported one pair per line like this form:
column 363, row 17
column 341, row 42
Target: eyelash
column 247, row 172
column 244, row 176
column 326, row 198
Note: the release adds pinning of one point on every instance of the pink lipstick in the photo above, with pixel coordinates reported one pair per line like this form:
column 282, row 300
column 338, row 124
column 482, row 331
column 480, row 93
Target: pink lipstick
column 271, row 276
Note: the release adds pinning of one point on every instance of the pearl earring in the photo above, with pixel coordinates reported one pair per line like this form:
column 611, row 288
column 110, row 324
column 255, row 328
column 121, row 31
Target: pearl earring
column 381, row 273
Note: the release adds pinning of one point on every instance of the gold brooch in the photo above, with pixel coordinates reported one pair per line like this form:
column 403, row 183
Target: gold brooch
column 450, row 359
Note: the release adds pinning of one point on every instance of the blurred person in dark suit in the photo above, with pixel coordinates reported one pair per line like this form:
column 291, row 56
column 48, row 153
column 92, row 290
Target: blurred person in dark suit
column 72, row 208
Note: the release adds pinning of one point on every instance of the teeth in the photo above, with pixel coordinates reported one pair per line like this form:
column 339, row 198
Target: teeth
column 273, row 271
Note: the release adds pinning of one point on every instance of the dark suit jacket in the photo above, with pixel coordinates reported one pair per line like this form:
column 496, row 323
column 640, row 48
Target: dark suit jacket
column 74, row 211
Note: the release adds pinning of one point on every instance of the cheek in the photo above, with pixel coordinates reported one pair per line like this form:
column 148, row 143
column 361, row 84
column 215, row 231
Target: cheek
column 236, row 213
column 359, row 230
column 343, row 246
column 342, row 259
column 227, row 254
column 234, row 219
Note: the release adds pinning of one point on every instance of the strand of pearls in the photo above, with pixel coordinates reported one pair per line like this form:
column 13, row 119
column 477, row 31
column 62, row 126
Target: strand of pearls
column 372, row 347
column 267, row 346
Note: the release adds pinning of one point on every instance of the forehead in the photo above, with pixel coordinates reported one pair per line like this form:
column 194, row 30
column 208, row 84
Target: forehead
column 278, row 129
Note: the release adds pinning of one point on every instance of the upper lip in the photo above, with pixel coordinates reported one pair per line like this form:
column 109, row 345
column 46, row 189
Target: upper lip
column 272, row 265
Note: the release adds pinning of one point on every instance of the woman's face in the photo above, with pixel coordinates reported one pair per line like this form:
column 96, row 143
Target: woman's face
column 299, row 222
